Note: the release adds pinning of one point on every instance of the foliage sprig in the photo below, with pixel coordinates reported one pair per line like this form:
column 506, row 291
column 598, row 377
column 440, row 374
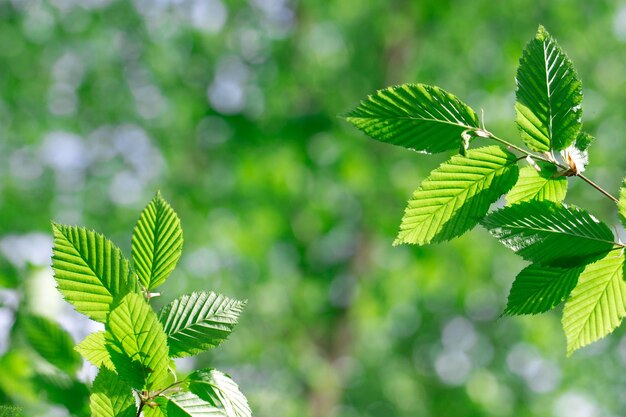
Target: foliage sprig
column 574, row 257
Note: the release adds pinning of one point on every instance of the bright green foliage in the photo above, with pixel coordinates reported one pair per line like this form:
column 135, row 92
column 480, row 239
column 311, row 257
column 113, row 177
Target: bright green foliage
column 621, row 205
column 135, row 352
column 187, row 404
column 137, row 336
column 597, row 304
column 457, row 195
column 560, row 240
column 157, row 243
column 549, row 96
column 539, row 288
column 111, row 396
column 51, row 342
column 221, row 391
column 416, row 116
column 199, row 321
column 551, row 234
column 538, row 185
column 90, row 271
column 93, row 348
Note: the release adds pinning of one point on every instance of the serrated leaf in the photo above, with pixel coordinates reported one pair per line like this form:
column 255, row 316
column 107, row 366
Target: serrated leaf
column 551, row 234
column 455, row 196
column 157, row 243
column 538, row 185
column 597, row 304
column 90, row 271
column 416, row 116
column 93, row 348
column 221, row 391
column 621, row 205
column 539, row 288
column 111, row 396
column 51, row 342
column 199, row 321
column 187, row 404
column 549, row 96
column 583, row 140
column 137, row 343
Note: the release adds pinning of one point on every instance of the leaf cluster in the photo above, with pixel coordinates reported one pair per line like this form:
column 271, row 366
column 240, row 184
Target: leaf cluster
column 135, row 352
column 574, row 257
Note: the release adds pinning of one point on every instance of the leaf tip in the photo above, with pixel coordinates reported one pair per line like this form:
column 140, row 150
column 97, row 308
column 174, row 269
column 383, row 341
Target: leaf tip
column 542, row 33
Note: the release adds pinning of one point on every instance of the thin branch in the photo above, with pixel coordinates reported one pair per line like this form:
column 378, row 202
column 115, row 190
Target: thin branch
column 542, row 158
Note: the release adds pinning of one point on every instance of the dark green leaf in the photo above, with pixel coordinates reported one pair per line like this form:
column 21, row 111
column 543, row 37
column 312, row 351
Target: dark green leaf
column 539, row 288
column 549, row 96
column 416, row 116
column 550, row 233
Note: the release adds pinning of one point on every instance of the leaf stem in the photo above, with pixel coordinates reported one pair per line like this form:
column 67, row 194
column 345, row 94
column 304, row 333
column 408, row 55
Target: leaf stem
column 542, row 158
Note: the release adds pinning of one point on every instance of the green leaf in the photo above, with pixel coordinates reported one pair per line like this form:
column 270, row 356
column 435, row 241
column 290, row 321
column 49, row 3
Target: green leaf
column 199, row 321
column 111, row 396
column 59, row 388
column 457, row 195
column 157, row 409
column 549, row 96
column 538, row 185
column 90, row 271
column 621, row 205
column 93, row 348
column 416, row 116
column 539, row 288
column 221, row 391
column 187, row 404
column 583, row 140
column 52, row 342
column 597, row 304
column 550, row 233
column 157, row 243
column 137, row 343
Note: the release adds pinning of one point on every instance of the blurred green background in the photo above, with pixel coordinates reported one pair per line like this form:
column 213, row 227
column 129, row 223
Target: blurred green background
column 230, row 109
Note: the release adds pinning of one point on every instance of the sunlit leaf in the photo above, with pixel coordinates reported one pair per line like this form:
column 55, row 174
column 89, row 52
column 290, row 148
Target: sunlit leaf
column 539, row 288
column 111, row 396
column 549, row 96
column 221, row 391
column 137, row 343
column 597, row 304
column 538, row 185
column 416, row 116
column 199, row 321
column 93, row 348
column 549, row 233
column 52, row 342
column 457, row 195
column 90, row 270
column 157, row 243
